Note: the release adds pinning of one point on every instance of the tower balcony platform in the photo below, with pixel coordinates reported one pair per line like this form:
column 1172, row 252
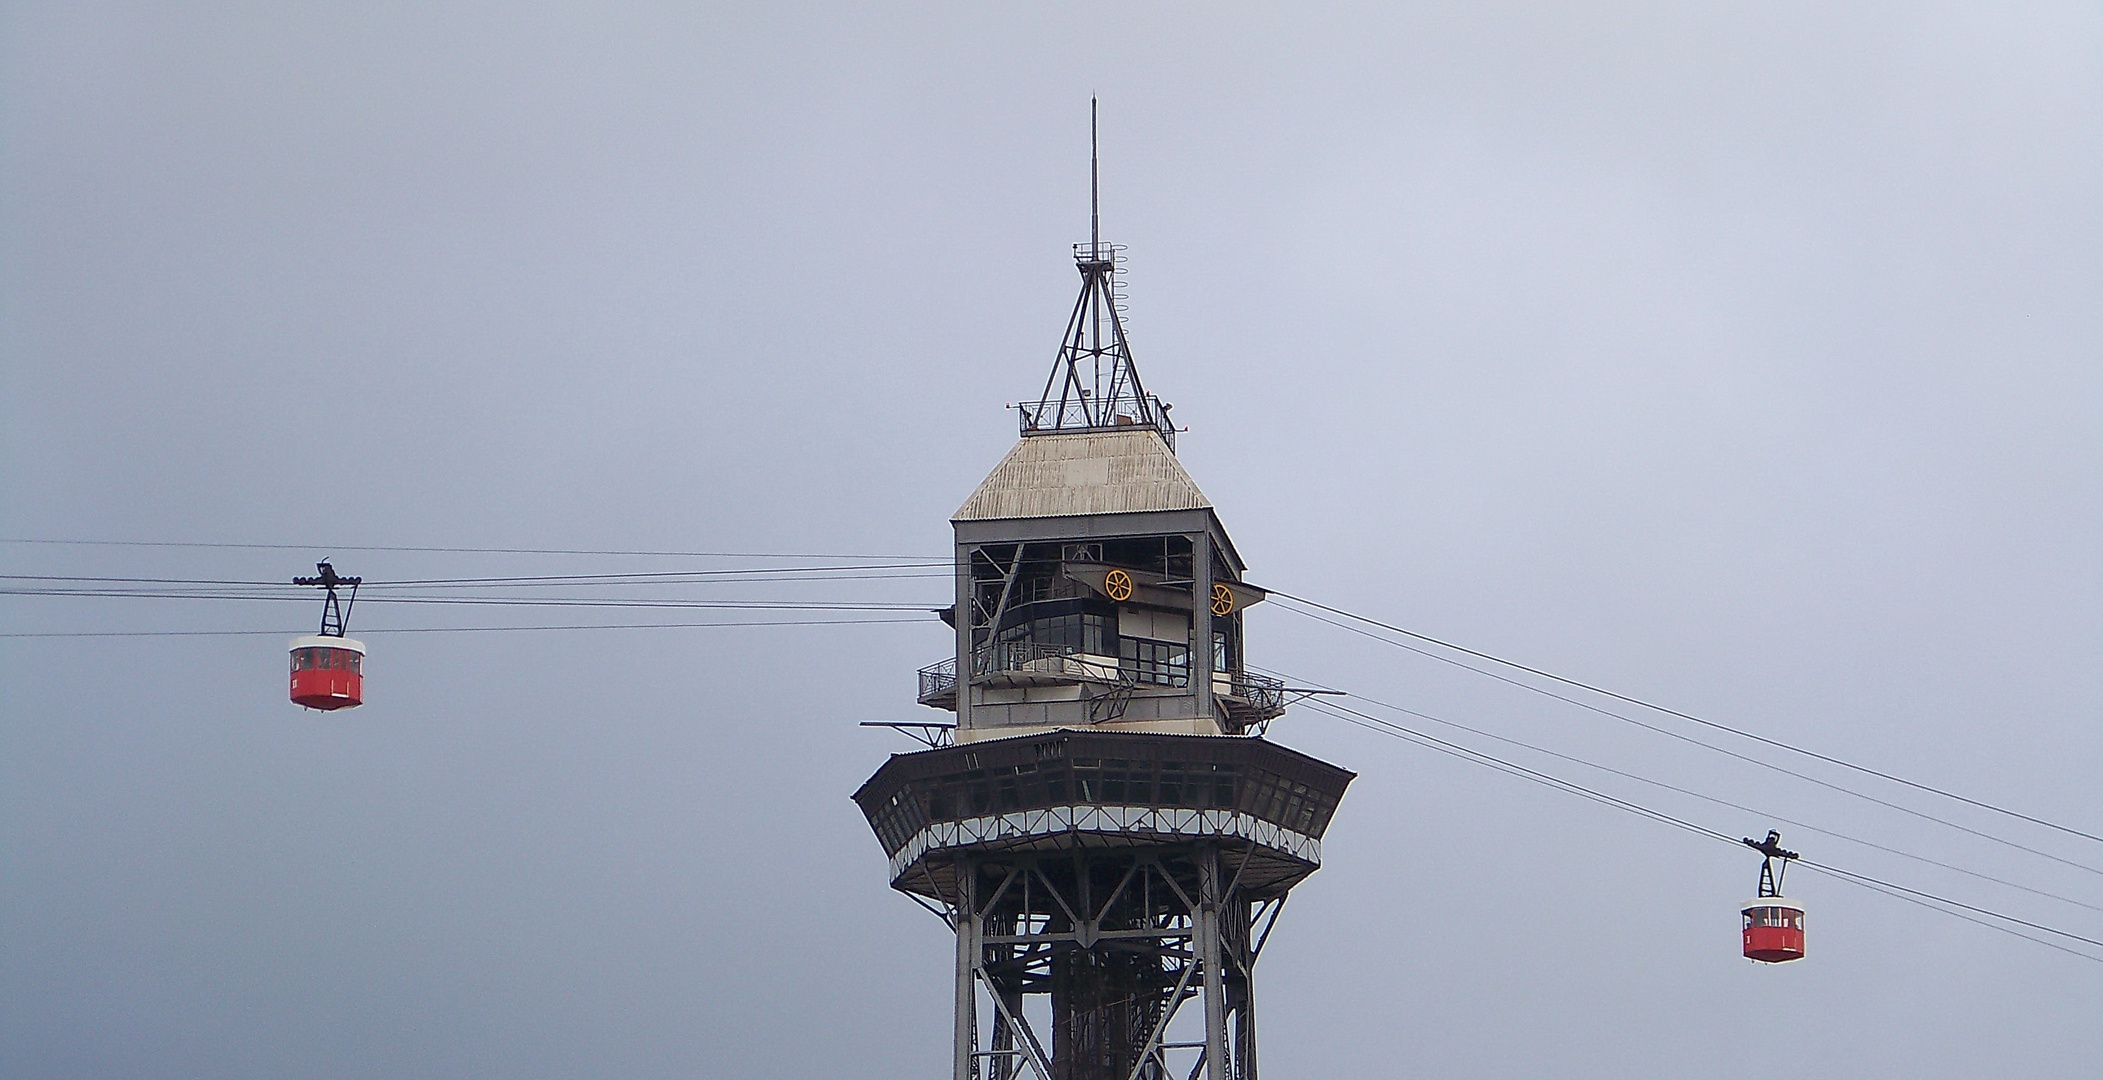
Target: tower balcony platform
column 1014, row 664
column 1262, row 804
column 1247, row 699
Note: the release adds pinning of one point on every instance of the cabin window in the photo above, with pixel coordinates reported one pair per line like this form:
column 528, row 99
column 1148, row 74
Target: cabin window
column 1774, row 917
column 1162, row 663
column 1079, row 632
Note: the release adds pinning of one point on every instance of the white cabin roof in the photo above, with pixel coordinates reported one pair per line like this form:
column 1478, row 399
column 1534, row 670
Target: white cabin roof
column 1084, row 472
column 316, row 641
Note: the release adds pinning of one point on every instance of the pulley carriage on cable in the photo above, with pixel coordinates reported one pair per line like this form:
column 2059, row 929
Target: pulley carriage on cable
column 1773, row 925
column 328, row 669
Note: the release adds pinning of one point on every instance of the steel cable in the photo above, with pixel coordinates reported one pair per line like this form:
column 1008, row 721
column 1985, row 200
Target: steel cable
column 1955, row 908
column 1776, row 743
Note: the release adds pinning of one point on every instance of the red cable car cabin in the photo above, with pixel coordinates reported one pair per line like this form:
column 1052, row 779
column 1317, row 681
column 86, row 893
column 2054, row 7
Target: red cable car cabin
column 1774, row 929
column 328, row 672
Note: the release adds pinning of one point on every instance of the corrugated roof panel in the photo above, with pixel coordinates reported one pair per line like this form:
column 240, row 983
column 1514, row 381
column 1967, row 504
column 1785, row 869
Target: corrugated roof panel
column 1087, row 472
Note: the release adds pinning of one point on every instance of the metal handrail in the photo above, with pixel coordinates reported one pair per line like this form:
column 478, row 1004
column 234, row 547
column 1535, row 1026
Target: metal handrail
column 1048, row 416
column 1261, row 691
column 1017, row 656
column 1028, row 657
column 938, row 679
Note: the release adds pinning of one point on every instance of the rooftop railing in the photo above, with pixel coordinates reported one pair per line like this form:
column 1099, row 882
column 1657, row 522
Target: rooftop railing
column 1051, row 415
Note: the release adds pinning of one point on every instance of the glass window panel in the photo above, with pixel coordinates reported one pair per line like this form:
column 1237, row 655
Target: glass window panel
column 1161, row 663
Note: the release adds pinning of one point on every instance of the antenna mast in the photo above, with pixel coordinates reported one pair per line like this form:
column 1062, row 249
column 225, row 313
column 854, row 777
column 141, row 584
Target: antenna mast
column 1095, row 200
column 1094, row 385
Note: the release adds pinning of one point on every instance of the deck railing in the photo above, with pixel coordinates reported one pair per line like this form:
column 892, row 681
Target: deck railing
column 938, row 681
column 1261, row 691
column 1052, row 414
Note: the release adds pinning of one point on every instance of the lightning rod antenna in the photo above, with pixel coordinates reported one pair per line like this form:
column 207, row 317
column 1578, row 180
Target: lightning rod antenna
column 1095, row 205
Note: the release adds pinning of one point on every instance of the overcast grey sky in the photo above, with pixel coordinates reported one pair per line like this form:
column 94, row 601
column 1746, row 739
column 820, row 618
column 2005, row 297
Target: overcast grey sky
column 1742, row 357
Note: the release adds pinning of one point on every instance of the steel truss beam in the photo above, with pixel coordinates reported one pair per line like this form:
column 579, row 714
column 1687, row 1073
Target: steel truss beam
column 1118, row 940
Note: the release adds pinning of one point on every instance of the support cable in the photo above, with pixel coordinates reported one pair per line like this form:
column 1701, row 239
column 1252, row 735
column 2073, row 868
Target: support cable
column 1717, row 801
column 465, row 629
column 509, row 601
column 1778, row 744
column 653, row 577
column 459, row 550
column 1954, row 907
column 1697, row 742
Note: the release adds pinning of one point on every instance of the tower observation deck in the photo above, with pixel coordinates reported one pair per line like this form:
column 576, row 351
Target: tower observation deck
column 1108, row 834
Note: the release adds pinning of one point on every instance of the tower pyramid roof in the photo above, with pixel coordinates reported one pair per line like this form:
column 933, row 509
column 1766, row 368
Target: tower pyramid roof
column 1064, row 474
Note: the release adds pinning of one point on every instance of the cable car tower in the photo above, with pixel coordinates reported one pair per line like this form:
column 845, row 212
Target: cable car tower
column 1108, row 833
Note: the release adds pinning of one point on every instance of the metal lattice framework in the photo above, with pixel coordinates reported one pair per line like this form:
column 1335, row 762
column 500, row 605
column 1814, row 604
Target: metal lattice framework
column 1094, row 384
column 1776, row 863
column 1110, row 892
column 334, row 613
column 1119, row 940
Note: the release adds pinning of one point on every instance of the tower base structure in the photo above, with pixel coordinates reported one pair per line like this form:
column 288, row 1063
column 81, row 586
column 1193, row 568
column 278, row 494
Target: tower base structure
column 1110, row 892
